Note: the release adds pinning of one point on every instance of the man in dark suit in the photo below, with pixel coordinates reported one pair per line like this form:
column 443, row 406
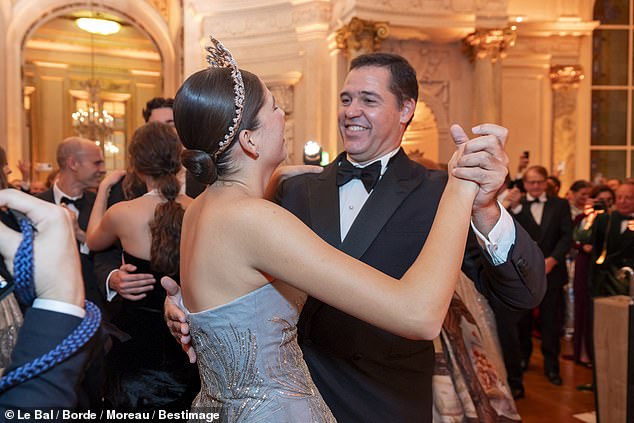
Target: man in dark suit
column 613, row 240
column 56, row 312
column 81, row 167
column 366, row 374
column 547, row 220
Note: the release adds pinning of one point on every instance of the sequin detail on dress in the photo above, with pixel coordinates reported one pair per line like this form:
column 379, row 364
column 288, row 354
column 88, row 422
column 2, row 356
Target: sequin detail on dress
column 292, row 373
column 251, row 368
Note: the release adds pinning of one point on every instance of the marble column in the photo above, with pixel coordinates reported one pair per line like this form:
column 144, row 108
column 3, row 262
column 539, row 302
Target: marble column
column 485, row 48
column 565, row 83
column 361, row 37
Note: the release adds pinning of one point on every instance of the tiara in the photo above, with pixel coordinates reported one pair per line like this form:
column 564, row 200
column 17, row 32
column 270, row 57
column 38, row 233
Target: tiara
column 220, row 57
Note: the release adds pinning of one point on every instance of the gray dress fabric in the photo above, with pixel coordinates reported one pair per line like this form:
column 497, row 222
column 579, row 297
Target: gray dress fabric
column 251, row 367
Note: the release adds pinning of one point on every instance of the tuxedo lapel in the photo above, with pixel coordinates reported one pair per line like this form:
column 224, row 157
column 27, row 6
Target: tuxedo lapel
column 395, row 185
column 528, row 221
column 547, row 217
column 86, row 209
column 324, row 205
column 47, row 196
column 621, row 241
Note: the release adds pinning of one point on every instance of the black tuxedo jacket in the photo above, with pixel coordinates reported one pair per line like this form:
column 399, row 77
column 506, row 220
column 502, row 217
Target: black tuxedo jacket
column 553, row 235
column 93, row 293
column 606, row 233
column 364, row 373
column 43, row 330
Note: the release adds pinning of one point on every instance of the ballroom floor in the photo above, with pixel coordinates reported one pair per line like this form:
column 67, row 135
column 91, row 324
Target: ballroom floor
column 545, row 402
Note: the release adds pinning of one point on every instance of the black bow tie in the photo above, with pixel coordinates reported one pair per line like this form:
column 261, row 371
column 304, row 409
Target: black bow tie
column 535, row 201
column 369, row 175
column 77, row 202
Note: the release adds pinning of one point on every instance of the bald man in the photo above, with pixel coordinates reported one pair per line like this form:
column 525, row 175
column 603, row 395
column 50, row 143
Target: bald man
column 81, row 167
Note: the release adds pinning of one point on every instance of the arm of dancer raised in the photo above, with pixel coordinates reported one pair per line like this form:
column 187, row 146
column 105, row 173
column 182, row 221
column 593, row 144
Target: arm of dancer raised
column 274, row 242
column 100, row 233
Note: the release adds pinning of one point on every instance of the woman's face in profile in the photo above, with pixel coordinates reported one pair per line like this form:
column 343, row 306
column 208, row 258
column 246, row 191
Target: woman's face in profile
column 271, row 130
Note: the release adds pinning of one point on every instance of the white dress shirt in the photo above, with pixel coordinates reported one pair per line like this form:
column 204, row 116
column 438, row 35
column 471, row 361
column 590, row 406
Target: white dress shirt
column 537, row 207
column 353, row 195
column 59, row 306
column 57, row 196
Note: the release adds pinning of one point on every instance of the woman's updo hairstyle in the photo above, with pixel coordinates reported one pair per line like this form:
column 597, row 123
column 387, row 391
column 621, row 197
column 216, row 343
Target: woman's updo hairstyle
column 204, row 109
column 155, row 152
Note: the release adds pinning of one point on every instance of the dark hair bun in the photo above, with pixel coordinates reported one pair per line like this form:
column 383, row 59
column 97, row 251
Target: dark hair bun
column 200, row 165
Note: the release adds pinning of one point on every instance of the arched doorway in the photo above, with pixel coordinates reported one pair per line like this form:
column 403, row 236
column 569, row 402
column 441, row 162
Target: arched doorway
column 28, row 17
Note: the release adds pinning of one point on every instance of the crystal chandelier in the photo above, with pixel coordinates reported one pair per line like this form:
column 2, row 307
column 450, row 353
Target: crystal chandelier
column 94, row 123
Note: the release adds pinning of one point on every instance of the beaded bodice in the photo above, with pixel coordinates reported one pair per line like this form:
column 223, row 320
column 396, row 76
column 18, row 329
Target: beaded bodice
column 251, row 367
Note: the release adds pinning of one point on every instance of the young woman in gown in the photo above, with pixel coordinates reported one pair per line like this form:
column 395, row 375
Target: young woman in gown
column 247, row 264
column 146, row 371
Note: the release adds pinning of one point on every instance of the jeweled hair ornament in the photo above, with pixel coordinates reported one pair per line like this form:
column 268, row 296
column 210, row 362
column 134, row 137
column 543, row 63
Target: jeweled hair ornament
column 220, row 57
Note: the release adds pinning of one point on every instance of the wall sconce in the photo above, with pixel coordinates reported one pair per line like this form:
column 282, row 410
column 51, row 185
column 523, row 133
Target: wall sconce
column 312, row 153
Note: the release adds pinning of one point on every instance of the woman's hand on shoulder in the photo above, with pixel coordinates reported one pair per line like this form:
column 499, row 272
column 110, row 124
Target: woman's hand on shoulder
column 288, row 171
column 112, row 178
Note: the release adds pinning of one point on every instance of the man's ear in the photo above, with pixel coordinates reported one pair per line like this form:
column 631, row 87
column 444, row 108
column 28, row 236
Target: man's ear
column 72, row 163
column 407, row 110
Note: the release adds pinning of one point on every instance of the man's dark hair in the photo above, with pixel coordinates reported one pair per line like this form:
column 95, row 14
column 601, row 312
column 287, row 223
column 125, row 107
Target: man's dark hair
column 555, row 180
column 157, row 103
column 579, row 185
column 403, row 82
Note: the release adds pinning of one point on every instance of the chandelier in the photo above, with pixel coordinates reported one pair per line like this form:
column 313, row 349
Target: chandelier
column 94, row 123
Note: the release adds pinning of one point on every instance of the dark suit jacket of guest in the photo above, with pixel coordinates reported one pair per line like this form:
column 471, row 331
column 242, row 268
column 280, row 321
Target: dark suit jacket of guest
column 364, row 373
column 93, row 292
column 42, row 331
column 620, row 253
column 553, row 235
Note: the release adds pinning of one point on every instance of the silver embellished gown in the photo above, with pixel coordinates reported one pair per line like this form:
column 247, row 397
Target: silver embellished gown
column 251, row 367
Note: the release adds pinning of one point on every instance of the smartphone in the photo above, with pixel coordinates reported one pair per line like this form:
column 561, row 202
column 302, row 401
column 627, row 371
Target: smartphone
column 526, row 154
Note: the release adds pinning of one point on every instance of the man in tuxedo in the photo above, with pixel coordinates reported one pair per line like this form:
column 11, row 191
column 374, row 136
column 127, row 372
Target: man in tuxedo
column 613, row 239
column 113, row 277
column 547, row 220
column 377, row 205
column 364, row 373
column 81, row 168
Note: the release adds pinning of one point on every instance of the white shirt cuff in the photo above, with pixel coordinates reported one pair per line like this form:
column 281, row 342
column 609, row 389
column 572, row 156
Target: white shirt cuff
column 59, row 306
column 501, row 238
column 110, row 294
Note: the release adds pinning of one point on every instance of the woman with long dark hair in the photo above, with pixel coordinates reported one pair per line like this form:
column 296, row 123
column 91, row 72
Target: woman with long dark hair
column 148, row 371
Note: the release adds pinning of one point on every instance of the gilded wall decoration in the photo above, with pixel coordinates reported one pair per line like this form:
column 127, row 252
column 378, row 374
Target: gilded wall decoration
column 422, row 7
column 565, row 83
column 162, row 6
